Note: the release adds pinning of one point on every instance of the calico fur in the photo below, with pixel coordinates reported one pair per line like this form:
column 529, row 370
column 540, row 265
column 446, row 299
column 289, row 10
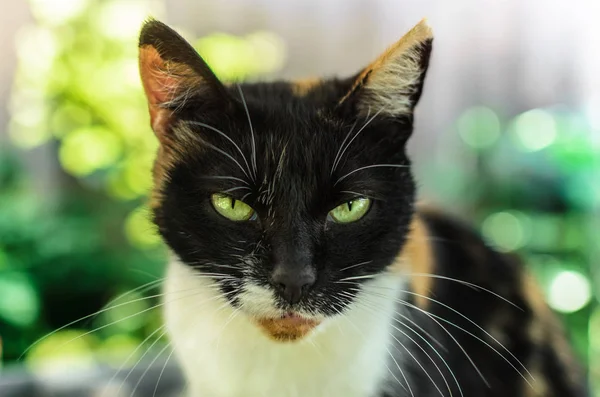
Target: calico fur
column 405, row 301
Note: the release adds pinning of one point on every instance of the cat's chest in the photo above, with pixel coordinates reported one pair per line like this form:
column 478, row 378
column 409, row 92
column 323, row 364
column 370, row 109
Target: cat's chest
column 236, row 371
column 225, row 355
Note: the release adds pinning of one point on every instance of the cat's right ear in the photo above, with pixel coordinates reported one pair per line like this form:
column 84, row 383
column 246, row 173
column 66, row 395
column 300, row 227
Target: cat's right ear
column 174, row 77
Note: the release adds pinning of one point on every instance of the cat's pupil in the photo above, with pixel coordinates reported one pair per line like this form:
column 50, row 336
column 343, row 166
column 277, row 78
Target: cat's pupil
column 350, row 206
column 233, row 203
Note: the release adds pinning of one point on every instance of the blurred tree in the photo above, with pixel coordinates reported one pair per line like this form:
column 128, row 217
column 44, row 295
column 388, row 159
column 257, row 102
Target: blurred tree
column 64, row 256
column 549, row 213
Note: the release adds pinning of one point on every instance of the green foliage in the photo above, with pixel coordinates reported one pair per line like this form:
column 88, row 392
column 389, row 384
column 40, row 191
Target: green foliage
column 534, row 190
column 65, row 255
column 61, row 259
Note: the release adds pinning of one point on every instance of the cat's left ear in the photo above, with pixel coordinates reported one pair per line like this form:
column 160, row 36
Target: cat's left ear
column 174, row 77
column 392, row 84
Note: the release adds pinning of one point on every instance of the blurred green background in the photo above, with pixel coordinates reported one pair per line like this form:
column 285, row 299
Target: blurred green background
column 77, row 150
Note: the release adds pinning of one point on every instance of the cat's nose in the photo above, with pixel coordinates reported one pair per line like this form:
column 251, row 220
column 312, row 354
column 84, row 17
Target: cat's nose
column 293, row 283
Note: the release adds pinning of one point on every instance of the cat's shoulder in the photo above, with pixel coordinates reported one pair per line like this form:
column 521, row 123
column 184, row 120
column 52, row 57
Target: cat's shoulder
column 480, row 286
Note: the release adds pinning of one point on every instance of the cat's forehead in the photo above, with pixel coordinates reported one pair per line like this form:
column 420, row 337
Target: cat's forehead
column 291, row 136
column 286, row 154
column 295, row 158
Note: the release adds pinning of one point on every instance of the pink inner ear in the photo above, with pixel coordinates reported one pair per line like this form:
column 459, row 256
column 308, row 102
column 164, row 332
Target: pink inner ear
column 158, row 86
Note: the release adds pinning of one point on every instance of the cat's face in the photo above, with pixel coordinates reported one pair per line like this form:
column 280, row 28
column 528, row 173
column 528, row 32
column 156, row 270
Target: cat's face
column 288, row 196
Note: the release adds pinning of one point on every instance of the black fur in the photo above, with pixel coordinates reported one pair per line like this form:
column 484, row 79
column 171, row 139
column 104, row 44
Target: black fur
column 295, row 141
column 461, row 254
column 286, row 173
column 292, row 208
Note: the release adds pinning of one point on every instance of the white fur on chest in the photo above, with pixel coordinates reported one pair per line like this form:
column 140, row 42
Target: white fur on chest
column 223, row 354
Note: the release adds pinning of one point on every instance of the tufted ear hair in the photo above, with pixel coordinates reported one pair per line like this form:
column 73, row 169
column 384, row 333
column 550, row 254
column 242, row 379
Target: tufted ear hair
column 392, row 84
column 174, row 77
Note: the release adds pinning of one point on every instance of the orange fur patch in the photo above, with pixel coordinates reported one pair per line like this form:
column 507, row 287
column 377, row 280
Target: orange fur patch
column 417, row 257
column 303, row 87
column 165, row 82
column 283, row 330
column 162, row 82
column 156, row 86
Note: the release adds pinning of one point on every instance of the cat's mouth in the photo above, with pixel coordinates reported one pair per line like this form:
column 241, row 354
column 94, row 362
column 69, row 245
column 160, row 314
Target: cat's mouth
column 289, row 327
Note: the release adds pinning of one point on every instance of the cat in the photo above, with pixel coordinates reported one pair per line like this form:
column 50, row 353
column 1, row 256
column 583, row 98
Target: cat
column 301, row 264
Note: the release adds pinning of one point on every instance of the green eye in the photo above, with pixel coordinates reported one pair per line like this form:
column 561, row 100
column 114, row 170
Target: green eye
column 231, row 208
column 351, row 211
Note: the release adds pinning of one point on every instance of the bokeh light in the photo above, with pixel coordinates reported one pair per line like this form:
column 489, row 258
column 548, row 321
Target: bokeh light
column 507, row 230
column 63, row 352
column 115, row 349
column 56, row 12
column 121, row 19
column 128, row 316
column 534, row 130
column 234, row 58
column 140, row 230
column 19, row 301
column 479, row 127
column 569, row 291
column 88, row 149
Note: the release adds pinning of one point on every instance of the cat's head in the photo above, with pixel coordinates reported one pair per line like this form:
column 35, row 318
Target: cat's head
column 288, row 195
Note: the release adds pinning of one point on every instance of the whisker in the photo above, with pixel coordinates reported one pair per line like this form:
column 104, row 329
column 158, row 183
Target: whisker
column 237, row 266
column 122, row 366
column 388, row 351
column 337, row 155
column 209, row 275
column 253, row 159
column 173, row 348
column 357, row 134
column 137, row 384
column 422, row 311
column 479, row 327
column 425, row 312
column 432, row 360
column 210, row 145
column 362, row 194
column 365, row 277
column 233, row 189
column 193, row 307
column 233, row 178
column 421, row 365
column 43, row 338
column 145, row 273
column 476, row 337
column 230, row 319
column 370, row 166
column 356, row 265
column 140, row 358
column 466, row 283
column 224, row 135
column 427, row 354
column 126, row 318
column 224, row 266
column 162, row 371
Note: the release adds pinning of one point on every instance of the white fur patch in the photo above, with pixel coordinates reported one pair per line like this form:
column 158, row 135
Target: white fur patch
column 224, row 354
